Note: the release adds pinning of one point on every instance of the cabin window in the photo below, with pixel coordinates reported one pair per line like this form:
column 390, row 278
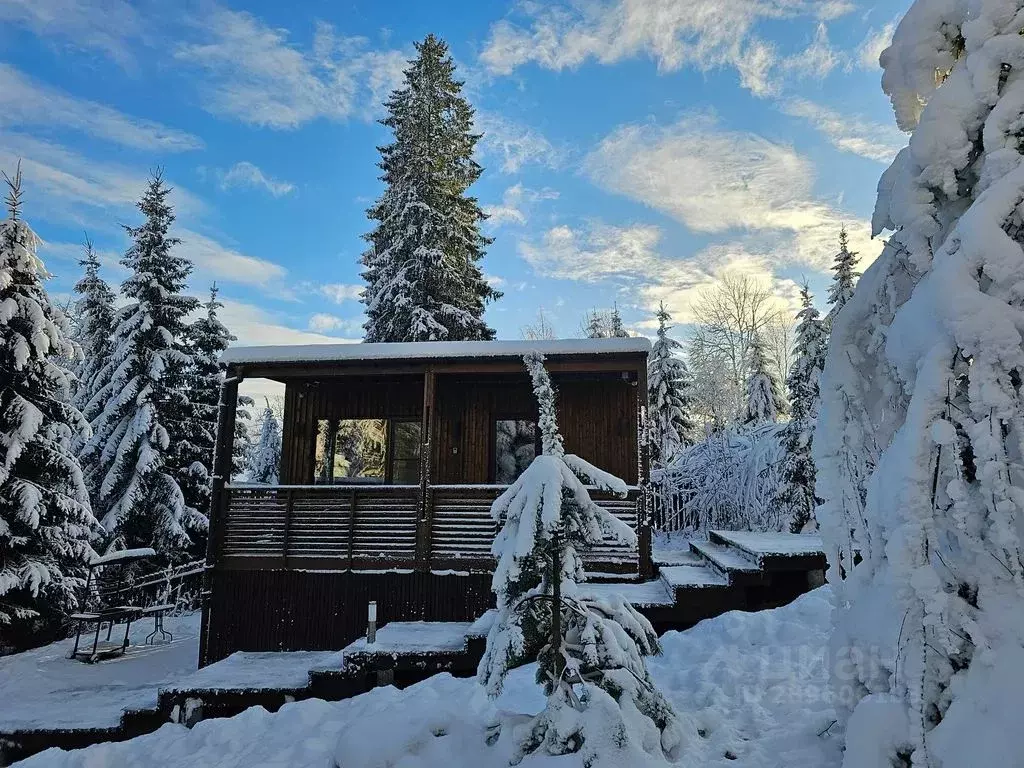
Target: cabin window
column 405, row 452
column 367, row 451
column 515, row 446
column 350, row 450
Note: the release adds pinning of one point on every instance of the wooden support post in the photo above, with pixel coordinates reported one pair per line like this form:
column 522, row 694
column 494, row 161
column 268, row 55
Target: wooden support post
column 223, row 448
column 643, row 511
column 351, row 525
column 424, row 524
column 289, row 508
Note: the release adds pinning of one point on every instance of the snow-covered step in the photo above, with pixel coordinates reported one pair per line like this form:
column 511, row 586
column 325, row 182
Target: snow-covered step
column 639, row 594
column 676, row 555
column 414, row 637
column 728, row 561
column 255, row 670
column 692, row 577
column 768, row 549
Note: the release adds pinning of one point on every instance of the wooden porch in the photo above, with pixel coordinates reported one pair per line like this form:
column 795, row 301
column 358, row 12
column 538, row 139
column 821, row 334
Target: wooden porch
column 372, row 527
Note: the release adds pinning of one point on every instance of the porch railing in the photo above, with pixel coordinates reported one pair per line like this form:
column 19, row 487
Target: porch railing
column 365, row 527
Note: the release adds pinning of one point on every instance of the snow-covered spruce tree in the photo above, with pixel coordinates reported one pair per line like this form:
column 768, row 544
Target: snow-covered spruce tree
column 796, row 497
column 589, row 651
column 668, row 384
column 764, row 401
column 142, row 409
column 95, row 311
column 422, row 269
column 844, row 277
column 920, row 433
column 265, row 457
column 242, row 447
column 45, row 518
column 615, row 330
column 191, row 458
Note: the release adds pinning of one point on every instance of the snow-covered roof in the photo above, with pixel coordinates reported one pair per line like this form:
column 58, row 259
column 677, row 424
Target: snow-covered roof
column 426, row 350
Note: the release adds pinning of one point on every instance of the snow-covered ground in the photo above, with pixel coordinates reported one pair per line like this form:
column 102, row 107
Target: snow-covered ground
column 752, row 689
column 42, row 688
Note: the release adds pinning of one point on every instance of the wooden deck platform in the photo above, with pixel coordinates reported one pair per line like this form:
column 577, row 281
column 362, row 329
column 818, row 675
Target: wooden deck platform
column 700, row 580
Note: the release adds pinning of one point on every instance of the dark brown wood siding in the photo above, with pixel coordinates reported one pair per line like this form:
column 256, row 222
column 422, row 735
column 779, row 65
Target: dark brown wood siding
column 273, row 610
column 360, row 397
column 597, row 417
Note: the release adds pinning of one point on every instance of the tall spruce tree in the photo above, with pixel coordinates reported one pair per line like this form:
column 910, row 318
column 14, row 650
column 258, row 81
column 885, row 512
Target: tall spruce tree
column 590, row 652
column 668, row 384
column 192, row 457
column 144, row 399
column 45, row 518
column 422, row 268
column 94, row 309
column 616, row 330
column 796, row 498
column 844, row 279
column 764, row 400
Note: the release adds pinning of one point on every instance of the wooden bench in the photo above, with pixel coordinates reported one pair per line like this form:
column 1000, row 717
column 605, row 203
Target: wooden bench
column 103, row 587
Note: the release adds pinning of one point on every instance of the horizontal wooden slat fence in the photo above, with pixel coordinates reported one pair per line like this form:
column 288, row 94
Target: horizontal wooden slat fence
column 352, row 527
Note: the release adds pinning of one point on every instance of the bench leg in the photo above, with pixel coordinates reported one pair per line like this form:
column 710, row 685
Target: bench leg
column 127, row 627
column 78, row 636
column 110, row 628
column 158, row 629
column 96, row 640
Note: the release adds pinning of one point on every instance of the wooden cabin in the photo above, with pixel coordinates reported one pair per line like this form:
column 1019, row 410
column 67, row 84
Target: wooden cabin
column 391, row 457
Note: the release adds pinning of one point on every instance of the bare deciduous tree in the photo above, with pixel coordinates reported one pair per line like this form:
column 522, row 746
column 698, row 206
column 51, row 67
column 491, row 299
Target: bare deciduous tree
column 729, row 316
column 540, row 329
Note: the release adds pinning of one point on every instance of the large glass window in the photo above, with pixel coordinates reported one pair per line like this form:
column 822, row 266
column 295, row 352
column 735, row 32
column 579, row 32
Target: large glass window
column 515, row 446
column 367, row 451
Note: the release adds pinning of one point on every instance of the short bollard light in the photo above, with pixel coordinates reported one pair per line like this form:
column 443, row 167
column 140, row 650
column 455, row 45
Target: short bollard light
column 371, row 623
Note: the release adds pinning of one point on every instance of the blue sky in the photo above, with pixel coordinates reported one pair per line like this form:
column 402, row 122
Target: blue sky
column 635, row 150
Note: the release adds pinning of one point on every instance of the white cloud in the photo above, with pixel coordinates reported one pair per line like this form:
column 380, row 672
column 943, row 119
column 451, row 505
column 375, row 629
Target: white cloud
column 222, row 263
column 104, row 25
column 63, row 185
column 817, row 60
column 24, row 101
column 633, row 256
column 515, row 204
column 705, row 34
column 245, row 174
column 716, row 181
column 255, row 326
column 254, row 74
column 341, row 292
column 850, row 133
column 515, row 144
column 872, row 46
column 322, row 322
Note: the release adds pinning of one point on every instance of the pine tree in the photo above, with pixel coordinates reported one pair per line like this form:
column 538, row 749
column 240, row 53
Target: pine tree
column 143, row 404
column 764, row 401
column 845, row 278
column 616, row 330
column 265, row 458
column 668, row 384
column 594, row 326
column 920, row 428
column 422, row 268
column 45, row 518
column 796, row 498
column 589, row 651
column 95, row 312
column 191, row 458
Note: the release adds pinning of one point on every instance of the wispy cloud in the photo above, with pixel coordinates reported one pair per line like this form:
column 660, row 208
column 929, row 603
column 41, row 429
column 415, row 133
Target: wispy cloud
column 220, row 262
column 247, row 175
column 253, row 73
column 849, row 132
column 27, row 102
column 255, row 325
column 876, row 41
column 104, row 25
column 515, row 144
column 704, row 34
column 817, row 60
column 323, row 322
column 341, row 292
column 63, row 185
column 515, row 205
column 717, row 181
